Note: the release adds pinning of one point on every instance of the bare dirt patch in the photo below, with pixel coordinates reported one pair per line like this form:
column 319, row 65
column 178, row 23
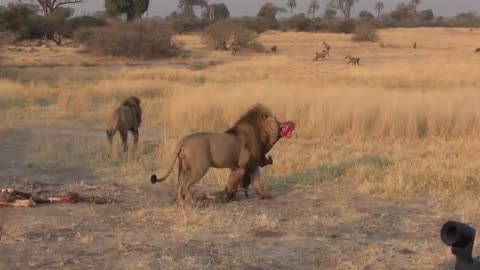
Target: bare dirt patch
column 329, row 226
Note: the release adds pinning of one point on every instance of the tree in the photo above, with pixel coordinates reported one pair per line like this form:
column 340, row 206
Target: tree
column 329, row 14
column 270, row 11
column 216, row 12
column 186, row 6
column 14, row 16
column 345, row 6
column 132, row 8
column 49, row 6
column 401, row 13
column 466, row 19
column 300, row 22
column 56, row 24
column 313, row 7
column 379, row 7
column 427, row 15
column 85, row 21
column 292, row 4
column 414, row 4
column 366, row 15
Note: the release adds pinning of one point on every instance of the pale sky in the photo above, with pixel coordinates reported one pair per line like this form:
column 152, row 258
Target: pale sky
column 250, row 7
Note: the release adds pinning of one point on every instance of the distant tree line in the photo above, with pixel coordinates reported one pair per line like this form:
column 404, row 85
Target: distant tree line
column 55, row 20
column 336, row 16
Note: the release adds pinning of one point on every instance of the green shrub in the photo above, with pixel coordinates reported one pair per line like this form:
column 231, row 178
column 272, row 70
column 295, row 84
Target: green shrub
column 83, row 22
column 300, row 22
column 345, row 26
column 81, row 35
column 34, row 27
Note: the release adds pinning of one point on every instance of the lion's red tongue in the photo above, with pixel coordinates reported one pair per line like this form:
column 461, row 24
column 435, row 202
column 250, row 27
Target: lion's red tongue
column 286, row 129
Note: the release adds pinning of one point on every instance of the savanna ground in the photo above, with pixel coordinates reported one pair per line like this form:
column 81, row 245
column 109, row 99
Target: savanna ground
column 385, row 153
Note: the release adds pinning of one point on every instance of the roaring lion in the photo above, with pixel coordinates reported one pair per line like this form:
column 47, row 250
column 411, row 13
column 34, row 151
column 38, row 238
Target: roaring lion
column 127, row 117
column 241, row 149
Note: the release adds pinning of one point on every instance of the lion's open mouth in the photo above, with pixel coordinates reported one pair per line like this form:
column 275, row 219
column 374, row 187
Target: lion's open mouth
column 286, row 129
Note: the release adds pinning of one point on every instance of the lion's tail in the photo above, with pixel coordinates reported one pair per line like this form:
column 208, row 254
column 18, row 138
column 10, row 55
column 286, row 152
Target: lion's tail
column 176, row 154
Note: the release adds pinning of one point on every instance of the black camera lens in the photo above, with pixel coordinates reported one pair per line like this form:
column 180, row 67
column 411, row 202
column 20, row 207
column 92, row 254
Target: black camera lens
column 456, row 234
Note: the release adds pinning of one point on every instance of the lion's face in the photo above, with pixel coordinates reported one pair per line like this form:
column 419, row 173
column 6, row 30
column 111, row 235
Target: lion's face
column 271, row 126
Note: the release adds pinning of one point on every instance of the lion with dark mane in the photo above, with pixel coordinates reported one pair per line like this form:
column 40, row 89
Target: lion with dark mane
column 241, row 148
column 127, row 117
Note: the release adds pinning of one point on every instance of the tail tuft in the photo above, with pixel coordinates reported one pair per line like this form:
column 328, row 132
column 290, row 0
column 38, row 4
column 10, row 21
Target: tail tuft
column 153, row 178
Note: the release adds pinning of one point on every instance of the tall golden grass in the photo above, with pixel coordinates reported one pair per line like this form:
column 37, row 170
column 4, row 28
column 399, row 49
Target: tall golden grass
column 419, row 107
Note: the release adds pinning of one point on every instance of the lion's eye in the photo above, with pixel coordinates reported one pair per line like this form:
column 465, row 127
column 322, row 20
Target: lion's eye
column 265, row 116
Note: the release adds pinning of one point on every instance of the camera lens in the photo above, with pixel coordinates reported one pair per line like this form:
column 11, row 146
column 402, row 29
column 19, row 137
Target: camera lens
column 457, row 234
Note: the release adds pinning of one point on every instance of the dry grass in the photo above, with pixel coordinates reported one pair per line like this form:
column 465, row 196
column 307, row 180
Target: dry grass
column 402, row 126
column 419, row 108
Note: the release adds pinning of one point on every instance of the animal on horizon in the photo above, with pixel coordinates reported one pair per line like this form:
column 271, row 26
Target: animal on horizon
column 127, row 117
column 235, row 45
column 327, row 48
column 274, row 49
column 353, row 60
column 320, row 55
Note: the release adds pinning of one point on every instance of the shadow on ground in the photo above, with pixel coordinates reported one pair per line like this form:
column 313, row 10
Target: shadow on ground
column 283, row 184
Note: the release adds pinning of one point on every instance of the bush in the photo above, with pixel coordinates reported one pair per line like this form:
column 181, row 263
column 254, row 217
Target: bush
column 319, row 24
column 300, row 22
column 83, row 22
column 34, row 27
column 344, row 26
column 138, row 39
column 218, row 35
column 365, row 32
column 81, row 35
column 6, row 38
column 257, row 24
column 14, row 16
column 181, row 23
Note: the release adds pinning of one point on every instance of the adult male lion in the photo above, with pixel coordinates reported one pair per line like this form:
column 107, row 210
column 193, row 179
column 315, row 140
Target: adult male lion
column 286, row 130
column 240, row 149
column 127, row 117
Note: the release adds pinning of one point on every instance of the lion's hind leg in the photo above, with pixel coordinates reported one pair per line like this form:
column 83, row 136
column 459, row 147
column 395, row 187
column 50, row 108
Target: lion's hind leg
column 196, row 172
column 110, row 134
column 180, row 196
column 181, row 178
column 135, row 138
column 124, row 135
